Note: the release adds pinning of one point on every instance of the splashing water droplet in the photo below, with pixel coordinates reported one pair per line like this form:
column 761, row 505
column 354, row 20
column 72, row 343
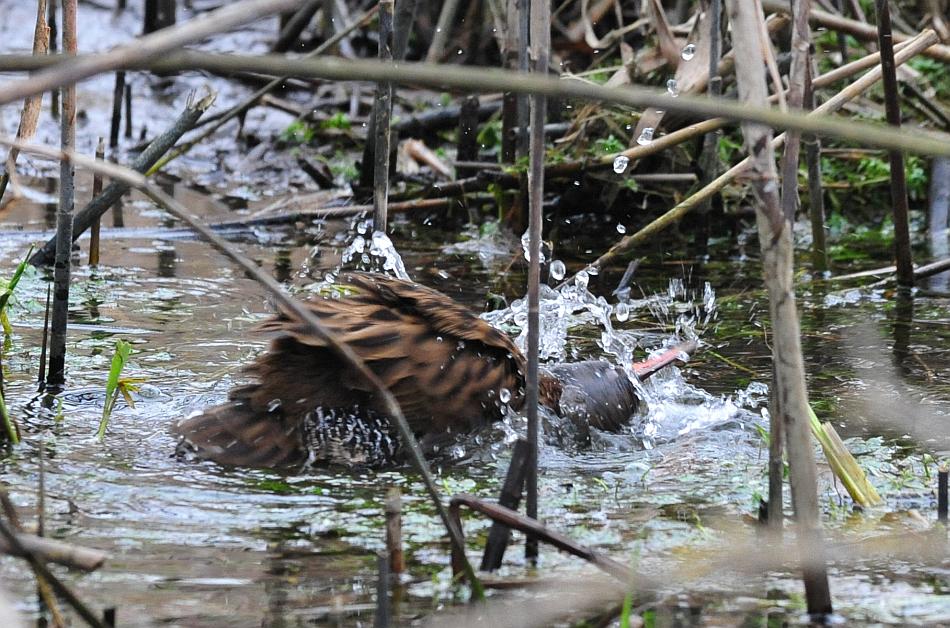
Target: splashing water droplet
column 621, row 228
column 582, row 279
column 526, row 245
column 672, row 89
column 622, row 312
column 361, row 227
column 504, row 395
column 689, row 51
column 557, row 270
column 646, row 136
column 620, row 163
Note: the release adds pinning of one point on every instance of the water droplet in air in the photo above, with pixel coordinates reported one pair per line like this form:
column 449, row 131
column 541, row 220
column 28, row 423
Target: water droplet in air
column 689, row 51
column 273, row 405
column 620, row 163
column 623, row 312
column 361, row 227
column 526, row 245
column 557, row 270
column 672, row 89
column 621, row 228
column 582, row 279
column 504, row 395
column 646, row 136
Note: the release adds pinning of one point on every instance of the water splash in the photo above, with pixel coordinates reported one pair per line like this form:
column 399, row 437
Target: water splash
column 526, row 246
column 620, row 163
column 491, row 244
column 373, row 252
column 646, row 136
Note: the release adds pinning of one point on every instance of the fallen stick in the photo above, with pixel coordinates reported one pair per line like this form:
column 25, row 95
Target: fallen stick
column 516, row 521
column 58, row 552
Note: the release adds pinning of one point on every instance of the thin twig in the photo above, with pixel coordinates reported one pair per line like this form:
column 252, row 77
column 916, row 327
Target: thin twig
column 540, row 51
column 490, row 80
column 64, row 214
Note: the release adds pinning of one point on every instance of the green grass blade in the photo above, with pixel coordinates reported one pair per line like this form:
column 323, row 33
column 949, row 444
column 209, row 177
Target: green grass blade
column 17, row 274
column 122, row 352
column 13, row 434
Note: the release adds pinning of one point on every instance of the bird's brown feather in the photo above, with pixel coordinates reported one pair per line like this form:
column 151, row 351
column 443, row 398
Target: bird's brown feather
column 445, row 366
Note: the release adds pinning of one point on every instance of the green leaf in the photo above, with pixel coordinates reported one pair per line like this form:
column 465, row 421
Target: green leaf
column 123, row 350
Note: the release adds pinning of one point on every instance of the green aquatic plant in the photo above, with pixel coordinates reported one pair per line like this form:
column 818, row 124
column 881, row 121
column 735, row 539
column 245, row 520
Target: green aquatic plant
column 116, row 385
column 8, row 287
column 297, row 132
column 339, row 120
column 608, row 146
column 9, row 427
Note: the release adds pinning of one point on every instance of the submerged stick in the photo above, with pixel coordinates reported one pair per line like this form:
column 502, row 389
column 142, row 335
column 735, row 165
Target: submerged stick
column 510, row 497
column 381, row 619
column 96, row 191
column 117, row 94
column 900, row 208
column 942, row 474
column 393, row 508
column 533, row 528
column 775, row 239
column 540, row 51
column 64, row 215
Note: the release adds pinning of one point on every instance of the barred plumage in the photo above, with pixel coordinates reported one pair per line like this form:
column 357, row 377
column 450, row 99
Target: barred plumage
column 447, row 368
